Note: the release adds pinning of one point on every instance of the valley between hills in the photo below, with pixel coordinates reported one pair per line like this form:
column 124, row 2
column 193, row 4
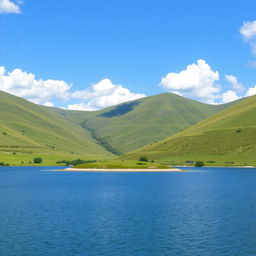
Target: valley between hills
column 165, row 128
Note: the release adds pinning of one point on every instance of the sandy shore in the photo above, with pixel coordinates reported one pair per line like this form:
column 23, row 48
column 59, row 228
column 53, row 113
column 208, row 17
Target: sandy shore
column 121, row 170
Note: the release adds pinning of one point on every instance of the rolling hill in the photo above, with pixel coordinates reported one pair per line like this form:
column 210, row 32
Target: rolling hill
column 228, row 137
column 131, row 125
column 27, row 128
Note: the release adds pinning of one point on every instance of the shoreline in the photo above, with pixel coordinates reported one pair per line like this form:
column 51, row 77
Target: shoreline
column 120, row 170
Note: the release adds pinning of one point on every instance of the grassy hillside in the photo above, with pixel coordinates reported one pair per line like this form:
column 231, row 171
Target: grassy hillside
column 227, row 138
column 27, row 128
column 137, row 123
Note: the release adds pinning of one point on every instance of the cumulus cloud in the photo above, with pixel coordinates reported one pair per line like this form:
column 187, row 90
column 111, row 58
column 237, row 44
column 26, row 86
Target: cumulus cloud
column 248, row 32
column 45, row 92
column 25, row 85
column 7, row 6
column 251, row 91
column 175, row 92
column 81, row 106
column 48, row 104
column 229, row 96
column 103, row 94
column 236, row 85
column 198, row 80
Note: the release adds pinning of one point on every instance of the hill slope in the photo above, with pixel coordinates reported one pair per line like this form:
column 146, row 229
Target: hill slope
column 29, row 128
column 137, row 123
column 225, row 138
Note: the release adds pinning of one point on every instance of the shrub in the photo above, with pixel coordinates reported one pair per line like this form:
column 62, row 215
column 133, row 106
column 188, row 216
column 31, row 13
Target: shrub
column 143, row 158
column 75, row 162
column 139, row 163
column 199, row 164
column 4, row 164
column 37, row 160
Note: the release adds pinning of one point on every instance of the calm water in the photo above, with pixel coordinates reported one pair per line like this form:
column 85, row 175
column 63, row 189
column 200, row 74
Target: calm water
column 207, row 211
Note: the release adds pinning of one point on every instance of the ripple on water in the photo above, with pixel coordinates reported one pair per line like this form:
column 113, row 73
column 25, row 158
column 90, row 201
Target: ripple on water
column 211, row 212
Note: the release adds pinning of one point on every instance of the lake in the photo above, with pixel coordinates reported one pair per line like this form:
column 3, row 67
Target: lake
column 205, row 211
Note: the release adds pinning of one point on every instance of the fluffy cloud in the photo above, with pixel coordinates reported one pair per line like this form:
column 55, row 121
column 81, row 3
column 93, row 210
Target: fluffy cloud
column 251, row 91
column 7, row 6
column 81, row 106
column 48, row 104
column 237, row 86
column 100, row 95
column 248, row 32
column 103, row 94
column 25, row 85
column 229, row 96
column 178, row 93
column 197, row 81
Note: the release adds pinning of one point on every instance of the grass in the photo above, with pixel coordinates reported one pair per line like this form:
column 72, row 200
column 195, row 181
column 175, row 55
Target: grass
column 129, row 126
column 28, row 128
column 122, row 164
column 227, row 138
column 49, row 159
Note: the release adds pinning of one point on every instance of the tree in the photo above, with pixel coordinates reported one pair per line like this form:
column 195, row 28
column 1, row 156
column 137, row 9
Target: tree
column 37, row 160
column 143, row 158
column 199, row 164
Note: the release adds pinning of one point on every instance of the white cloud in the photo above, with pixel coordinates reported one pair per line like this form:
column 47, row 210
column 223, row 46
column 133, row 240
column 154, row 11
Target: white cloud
column 45, row 92
column 229, row 96
column 25, row 85
column 103, row 94
column 248, row 31
column 237, row 86
column 81, row 106
column 197, row 81
column 175, row 92
column 251, row 91
column 48, row 104
column 7, row 6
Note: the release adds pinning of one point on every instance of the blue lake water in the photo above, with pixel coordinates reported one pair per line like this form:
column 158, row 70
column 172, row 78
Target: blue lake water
column 205, row 211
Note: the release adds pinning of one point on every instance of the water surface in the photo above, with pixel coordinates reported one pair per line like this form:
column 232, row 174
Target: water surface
column 206, row 211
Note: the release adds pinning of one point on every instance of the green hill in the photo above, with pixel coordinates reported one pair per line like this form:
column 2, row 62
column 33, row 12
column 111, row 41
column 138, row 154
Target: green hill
column 137, row 123
column 27, row 128
column 229, row 137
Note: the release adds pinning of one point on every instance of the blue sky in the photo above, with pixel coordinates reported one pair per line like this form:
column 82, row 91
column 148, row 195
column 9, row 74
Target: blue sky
column 93, row 54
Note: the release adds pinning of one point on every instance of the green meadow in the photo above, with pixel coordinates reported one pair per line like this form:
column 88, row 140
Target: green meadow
column 48, row 159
